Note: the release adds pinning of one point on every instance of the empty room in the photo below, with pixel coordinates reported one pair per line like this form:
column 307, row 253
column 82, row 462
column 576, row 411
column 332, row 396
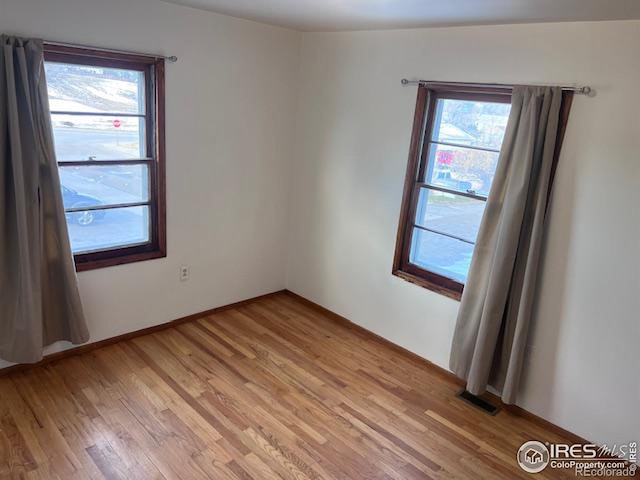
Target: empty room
column 319, row 239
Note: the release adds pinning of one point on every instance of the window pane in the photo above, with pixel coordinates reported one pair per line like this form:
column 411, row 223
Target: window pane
column 92, row 230
column 441, row 254
column 84, row 88
column 452, row 214
column 464, row 122
column 104, row 185
column 90, row 137
column 461, row 169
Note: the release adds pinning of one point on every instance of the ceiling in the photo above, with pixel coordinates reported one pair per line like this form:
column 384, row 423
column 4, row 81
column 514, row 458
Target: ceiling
column 332, row 15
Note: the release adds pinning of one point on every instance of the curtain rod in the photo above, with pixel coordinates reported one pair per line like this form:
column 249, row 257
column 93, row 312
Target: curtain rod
column 584, row 90
column 170, row 59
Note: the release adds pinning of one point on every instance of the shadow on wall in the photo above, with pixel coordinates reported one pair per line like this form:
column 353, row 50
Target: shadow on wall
column 546, row 328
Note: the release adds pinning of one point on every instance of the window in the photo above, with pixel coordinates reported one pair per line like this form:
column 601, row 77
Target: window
column 107, row 112
column 456, row 140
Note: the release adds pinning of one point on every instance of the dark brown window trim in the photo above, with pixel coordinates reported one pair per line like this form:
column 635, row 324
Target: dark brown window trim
column 420, row 135
column 155, row 123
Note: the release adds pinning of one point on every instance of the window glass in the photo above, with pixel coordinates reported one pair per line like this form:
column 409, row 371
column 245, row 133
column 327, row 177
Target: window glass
column 470, row 123
column 462, row 169
column 455, row 176
column 86, row 88
column 91, row 186
column 450, row 214
column 89, row 137
column 441, row 254
column 95, row 230
column 99, row 118
column 463, row 153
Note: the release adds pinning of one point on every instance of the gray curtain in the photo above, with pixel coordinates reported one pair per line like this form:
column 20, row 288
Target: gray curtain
column 39, row 300
column 495, row 311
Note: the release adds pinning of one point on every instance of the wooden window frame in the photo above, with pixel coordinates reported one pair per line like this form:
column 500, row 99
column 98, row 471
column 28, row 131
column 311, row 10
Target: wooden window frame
column 153, row 69
column 418, row 158
column 422, row 131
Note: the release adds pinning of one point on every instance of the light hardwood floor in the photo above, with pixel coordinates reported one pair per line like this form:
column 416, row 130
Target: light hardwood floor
column 267, row 390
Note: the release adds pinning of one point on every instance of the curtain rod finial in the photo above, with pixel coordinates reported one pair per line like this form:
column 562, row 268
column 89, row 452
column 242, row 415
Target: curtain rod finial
column 404, row 81
column 586, row 90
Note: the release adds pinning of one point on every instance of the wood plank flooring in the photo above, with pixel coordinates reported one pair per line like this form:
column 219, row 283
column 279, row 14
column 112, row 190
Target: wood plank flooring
column 268, row 390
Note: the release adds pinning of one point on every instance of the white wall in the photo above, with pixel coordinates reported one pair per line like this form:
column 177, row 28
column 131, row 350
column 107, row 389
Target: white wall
column 230, row 110
column 354, row 124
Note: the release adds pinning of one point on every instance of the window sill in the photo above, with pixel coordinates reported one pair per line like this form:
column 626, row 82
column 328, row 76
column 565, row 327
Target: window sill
column 434, row 287
column 85, row 262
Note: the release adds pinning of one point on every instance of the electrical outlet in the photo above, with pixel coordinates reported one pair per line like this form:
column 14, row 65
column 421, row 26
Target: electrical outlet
column 185, row 270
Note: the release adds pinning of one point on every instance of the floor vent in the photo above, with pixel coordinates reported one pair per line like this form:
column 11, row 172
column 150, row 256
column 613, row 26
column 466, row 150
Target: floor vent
column 478, row 402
